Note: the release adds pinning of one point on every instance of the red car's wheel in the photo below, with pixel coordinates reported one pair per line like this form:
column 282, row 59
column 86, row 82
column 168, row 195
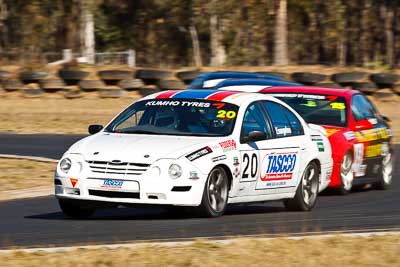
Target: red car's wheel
column 346, row 174
column 385, row 179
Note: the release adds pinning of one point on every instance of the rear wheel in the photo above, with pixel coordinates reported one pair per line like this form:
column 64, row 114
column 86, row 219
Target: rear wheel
column 346, row 174
column 75, row 209
column 307, row 191
column 215, row 194
column 385, row 178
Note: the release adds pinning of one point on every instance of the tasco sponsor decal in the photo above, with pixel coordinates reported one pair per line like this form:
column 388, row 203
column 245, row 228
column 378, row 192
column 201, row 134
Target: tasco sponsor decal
column 199, row 153
column 279, row 167
column 228, row 145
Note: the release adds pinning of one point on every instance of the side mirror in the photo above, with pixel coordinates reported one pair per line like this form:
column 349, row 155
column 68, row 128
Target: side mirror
column 385, row 118
column 363, row 125
column 255, row 136
column 95, row 128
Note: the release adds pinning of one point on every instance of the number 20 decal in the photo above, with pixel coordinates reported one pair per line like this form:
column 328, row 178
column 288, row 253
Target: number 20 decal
column 250, row 164
column 222, row 114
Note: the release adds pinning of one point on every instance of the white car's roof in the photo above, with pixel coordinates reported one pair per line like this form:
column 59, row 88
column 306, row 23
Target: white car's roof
column 244, row 88
column 233, row 97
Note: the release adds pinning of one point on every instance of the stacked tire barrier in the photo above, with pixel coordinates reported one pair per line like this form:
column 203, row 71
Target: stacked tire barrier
column 116, row 83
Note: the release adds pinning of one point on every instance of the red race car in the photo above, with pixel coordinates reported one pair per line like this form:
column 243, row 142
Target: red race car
column 360, row 137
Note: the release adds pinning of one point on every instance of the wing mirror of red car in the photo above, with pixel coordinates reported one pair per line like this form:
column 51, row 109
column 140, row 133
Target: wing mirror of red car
column 363, row 125
column 385, row 118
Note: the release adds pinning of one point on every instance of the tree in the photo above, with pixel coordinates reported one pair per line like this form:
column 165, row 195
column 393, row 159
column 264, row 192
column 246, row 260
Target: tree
column 87, row 30
column 281, row 46
column 218, row 53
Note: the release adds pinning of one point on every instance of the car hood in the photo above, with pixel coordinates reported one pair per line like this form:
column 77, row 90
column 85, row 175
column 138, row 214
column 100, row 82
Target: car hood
column 138, row 148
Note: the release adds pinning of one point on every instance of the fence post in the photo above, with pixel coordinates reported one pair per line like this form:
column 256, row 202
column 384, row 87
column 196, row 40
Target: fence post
column 131, row 58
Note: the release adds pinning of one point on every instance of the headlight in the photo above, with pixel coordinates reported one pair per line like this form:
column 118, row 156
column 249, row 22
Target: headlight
column 65, row 165
column 175, row 171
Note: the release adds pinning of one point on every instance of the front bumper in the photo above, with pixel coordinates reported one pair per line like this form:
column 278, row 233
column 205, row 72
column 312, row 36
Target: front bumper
column 141, row 189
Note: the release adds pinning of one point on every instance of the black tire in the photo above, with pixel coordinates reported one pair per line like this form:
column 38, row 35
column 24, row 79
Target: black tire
column 298, row 203
column 188, row 76
column 216, row 186
column 170, row 85
column 112, row 77
column 32, row 92
column 386, row 175
column 329, row 85
column 111, row 92
column 12, row 85
column 365, row 87
column 91, row 85
column 150, row 76
column 131, row 84
column 51, row 85
column 347, row 78
column 384, row 80
column 4, row 75
column 72, row 77
column 346, row 172
column 32, row 76
column 72, row 94
column 396, row 88
column 145, row 91
column 386, row 95
column 76, row 209
column 308, row 78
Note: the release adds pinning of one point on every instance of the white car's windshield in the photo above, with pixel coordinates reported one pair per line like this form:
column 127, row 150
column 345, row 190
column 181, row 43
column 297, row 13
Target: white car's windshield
column 176, row 117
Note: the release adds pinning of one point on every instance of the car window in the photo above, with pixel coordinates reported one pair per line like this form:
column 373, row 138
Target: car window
column 254, row 120
column 295, row 124
column 283, row 120
column 361, row 108
column 189, row 117
column 317, row 108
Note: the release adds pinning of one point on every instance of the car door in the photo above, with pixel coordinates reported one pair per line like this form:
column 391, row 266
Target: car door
column 373, row 142
column 254, row 120
column 282, row 156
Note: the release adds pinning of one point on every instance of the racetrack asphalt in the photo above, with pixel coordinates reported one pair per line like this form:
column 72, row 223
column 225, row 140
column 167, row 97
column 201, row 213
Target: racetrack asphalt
column 39, row 222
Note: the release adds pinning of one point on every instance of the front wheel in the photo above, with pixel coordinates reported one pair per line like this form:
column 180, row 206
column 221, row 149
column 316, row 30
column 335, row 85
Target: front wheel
column 215, row 194
column 386, row 175
column 75, row 209
column 346, row 174
column 307, row 191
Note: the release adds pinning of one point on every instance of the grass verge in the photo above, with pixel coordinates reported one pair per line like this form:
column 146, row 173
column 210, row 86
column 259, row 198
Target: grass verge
column 63, row 116
column 57, row 115
column 333, row 251
column 18, row 174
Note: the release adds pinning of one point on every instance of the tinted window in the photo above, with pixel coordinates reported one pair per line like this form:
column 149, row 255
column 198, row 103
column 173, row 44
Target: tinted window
column 361, row 108
column 318, row 109
column 295, row 124
column 283, row 120
column 254, row 121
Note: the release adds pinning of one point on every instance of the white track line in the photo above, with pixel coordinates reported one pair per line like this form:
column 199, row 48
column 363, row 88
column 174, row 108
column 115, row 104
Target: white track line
column 229, row 240
column 40, row 159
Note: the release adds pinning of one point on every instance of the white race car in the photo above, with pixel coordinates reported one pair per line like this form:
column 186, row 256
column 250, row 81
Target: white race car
column 199, row 148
